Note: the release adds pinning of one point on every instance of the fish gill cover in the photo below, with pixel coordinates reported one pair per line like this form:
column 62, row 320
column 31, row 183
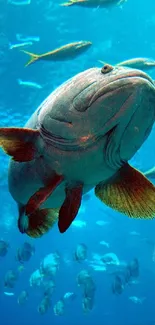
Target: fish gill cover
column 84, row 276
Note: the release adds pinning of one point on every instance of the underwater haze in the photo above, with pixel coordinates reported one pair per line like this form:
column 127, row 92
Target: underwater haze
column 102, row 269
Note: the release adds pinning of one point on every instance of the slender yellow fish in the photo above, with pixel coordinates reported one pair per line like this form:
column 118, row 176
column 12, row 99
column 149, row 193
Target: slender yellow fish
column 67, row 52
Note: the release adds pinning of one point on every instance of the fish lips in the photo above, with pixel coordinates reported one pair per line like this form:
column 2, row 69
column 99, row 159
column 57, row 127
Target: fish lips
column 50, row 129
column 129, row 79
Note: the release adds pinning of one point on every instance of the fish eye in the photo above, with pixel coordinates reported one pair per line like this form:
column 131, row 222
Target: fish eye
column 106, row 68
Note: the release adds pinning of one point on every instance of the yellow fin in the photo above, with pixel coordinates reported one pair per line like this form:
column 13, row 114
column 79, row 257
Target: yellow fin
column 130, row 193
column 33, row 57
column 41, row 221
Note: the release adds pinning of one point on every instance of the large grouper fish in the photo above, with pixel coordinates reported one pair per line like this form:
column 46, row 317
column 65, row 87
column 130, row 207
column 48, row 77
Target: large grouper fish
column 82, row 137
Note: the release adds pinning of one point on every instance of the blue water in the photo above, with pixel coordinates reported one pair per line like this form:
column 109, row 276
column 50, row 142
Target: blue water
column 117, row 34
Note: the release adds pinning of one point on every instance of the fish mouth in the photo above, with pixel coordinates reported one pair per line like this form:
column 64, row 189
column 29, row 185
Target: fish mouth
column 135, row 74
column 65, row 141
column 60, row 142
column 122, row 81
column 83, row 44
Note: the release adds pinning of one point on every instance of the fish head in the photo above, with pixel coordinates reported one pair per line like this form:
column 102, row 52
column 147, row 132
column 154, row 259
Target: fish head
column 82, row 46
column 116, row 104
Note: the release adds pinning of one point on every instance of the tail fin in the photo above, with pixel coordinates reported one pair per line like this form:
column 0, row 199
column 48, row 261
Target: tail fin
column 33, row 57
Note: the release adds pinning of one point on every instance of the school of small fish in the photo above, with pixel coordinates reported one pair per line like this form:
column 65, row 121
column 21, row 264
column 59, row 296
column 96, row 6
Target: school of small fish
column 121, row 275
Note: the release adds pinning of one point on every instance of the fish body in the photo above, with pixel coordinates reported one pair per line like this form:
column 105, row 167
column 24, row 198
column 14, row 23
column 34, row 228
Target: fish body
column 137, row 300
column 69, row 296
column 117, row 285
column 104, row 243
column 29, row 84
column 22, row 298
column 44, row 305
column 59, row 307
column 93, row 3
column 9, row 293
column 66, row 52
column 79, row 223
column 25, row 252
column 3, row 248
column 21, row 38
column 80, row 253
column 78, row 139
column 15, row 46
column 138, row 63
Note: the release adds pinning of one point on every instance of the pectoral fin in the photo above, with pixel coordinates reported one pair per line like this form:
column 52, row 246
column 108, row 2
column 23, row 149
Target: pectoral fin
column 19, row 143
column 42, row 194
column 130, row 193
column 70, row 207
column 41, row 221
column 43, row 217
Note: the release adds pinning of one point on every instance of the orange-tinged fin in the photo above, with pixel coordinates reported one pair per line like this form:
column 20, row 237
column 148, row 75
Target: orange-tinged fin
column 42, row 194
column 41, row 221
column 150, row 173
column 130, row 193
column 33, row 57
column 70, row 207
column 19, row 143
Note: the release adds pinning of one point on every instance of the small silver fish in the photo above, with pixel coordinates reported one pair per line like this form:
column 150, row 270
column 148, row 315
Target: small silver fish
column 15, row 46
column 104, row 243
column 21, row 38
column 29, row 84
column 143, row 64
column 9, row 293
